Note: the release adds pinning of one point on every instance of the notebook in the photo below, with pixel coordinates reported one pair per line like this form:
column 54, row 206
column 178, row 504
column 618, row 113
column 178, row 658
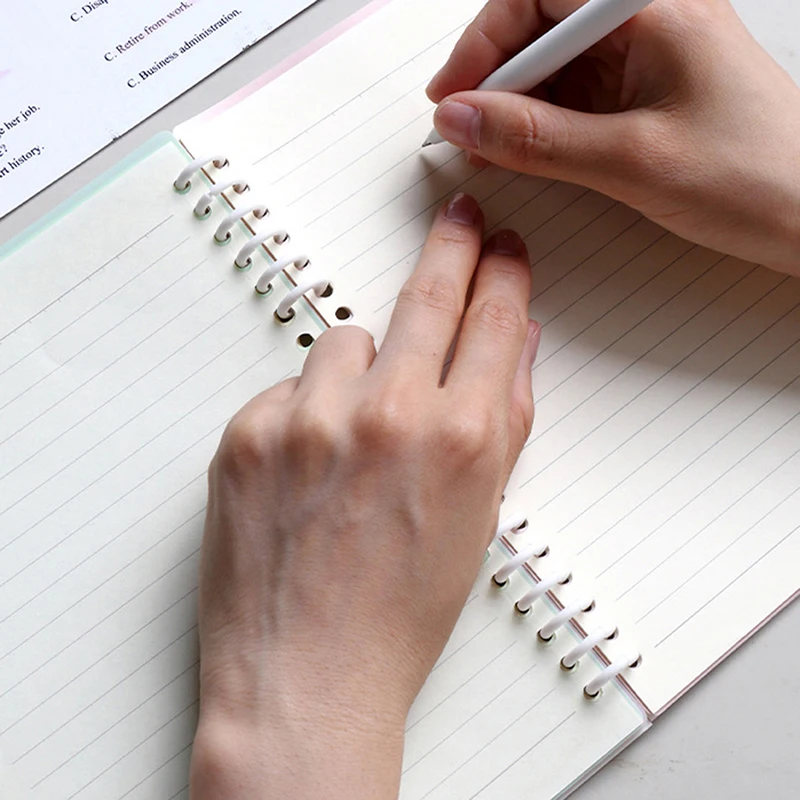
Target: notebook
column 648, row 529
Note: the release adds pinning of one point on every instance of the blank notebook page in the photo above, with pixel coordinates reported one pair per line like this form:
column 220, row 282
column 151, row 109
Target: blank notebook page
column 664, row 456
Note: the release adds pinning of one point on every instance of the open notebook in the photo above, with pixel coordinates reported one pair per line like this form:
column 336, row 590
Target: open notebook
column 659, row 484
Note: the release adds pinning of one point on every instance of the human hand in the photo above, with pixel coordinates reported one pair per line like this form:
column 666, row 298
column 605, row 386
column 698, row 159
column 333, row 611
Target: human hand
column 349, row 512
column 680, row 114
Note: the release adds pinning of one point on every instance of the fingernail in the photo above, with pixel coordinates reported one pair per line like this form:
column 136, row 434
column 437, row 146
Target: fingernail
column 534, row 338
column 462, row 209
column 459, row 123
column 506, row 243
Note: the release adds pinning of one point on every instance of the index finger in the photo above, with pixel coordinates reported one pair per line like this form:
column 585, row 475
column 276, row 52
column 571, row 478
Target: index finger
column 500, row 31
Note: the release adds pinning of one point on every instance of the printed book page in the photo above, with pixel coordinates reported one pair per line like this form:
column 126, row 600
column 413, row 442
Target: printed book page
column 664, row 455
column 76, row 74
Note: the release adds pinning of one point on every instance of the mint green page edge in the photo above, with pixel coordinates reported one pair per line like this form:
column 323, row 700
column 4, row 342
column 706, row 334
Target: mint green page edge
column 88, row 191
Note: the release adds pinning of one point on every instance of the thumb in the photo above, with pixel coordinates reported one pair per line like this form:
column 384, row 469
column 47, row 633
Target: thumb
column 600, row 151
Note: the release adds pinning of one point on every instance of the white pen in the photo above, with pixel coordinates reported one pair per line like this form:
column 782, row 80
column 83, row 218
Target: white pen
column 556, row 48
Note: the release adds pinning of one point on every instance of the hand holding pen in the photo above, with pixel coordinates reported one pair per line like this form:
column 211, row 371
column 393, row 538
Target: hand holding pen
column 658, row 114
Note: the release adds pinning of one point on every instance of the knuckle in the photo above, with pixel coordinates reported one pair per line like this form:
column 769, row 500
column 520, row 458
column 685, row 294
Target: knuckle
column 459, row 236
column 310, row 427
column 524, row 136
column 468, row 435
column 499, row 317
column 431, row 292
column 243, row 446
column 385, row 423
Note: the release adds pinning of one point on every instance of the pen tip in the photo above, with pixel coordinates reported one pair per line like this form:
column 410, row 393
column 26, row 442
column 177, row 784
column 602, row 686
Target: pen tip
column 427, row 143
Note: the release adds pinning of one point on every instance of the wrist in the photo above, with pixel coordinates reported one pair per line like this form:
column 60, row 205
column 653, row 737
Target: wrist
column 303, row 751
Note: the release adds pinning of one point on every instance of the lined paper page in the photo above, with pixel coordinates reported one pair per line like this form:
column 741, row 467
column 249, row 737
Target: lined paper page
column 497, row 718
column 667, row 383
column 127, row 341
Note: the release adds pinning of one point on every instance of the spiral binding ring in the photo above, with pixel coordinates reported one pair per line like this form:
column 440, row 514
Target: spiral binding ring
column 184, row 180
column 203, row 207
column 223, row 232
column 513, row 523
column 264, row 283
column 594, row 688
column 548, row 630
column 525, row 603
column 571, row 659
column 244, row 259
column 284, row 313
column 513, row 564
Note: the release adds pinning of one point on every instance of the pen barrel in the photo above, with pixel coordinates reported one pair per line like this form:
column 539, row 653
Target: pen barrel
column 555, row 49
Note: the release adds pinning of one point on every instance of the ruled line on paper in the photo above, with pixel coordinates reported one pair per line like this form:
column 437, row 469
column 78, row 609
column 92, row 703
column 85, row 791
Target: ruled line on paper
column 107, row 580
column 94, row 341
column 472, row 717
column 364, row 91
column 490, row 742
column 177, row 794
column 732, row 582
column 735, row 502
column 669, row 299
column 185, row 750
column 105, row 694
column 708, row 563
column 180, row 419
column 133, row 749
column 695, row 422
column 118, row 393
column 659, row 378
column 688, row 466
column 706, row 451
column 459, row 649
column 634, row 363
column 142, row 703
column 133, row 635
column 333, row 144
column 461, row 685
column 529, row 750
column 100, row 302
column 87, row 278
column 584, row 261
column 391, row 200
column 136, row 416
column 74, row 390
column 362, row 155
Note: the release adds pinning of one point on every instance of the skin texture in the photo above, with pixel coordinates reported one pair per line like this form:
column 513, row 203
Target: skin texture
column 680, row 114
column 349, row 510
column 332, row 572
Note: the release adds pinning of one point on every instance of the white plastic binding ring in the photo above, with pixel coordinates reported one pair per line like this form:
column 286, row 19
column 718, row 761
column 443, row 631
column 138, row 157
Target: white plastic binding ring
column 519, row 560
column 223, row 232
column 320, row 286
column 513, row 523
column 203, row 207
column 264, row 283
column 244, row 259
column 184, row 179
column 571, row 659
column 594, row 688
column 523, row 605
column 548, row 630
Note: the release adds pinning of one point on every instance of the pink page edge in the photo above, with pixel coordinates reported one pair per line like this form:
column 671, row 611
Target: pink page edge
column 279, row 69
